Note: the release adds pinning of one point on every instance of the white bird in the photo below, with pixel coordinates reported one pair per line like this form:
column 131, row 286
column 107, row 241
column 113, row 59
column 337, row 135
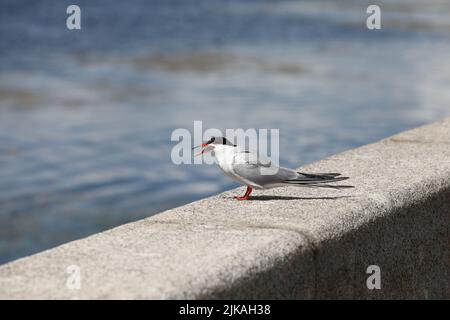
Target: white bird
column 246, row 168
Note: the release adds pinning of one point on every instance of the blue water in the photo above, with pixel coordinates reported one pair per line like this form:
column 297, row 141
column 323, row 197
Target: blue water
column 86, row 116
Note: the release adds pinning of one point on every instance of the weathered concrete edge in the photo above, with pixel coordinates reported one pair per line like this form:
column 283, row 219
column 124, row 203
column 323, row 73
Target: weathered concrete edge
column 400, row 225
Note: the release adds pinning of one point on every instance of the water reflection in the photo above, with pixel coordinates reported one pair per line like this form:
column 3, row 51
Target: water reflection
column 86, row 118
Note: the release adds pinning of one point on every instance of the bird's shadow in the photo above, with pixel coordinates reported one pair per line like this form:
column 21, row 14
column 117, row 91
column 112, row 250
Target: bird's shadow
column 268, row 198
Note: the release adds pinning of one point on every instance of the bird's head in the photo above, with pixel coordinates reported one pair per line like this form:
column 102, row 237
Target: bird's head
column 212, row 143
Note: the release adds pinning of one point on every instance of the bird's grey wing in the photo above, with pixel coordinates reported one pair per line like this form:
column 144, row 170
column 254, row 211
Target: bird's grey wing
column 261, row 172
column 251, row 158
column 260, row 176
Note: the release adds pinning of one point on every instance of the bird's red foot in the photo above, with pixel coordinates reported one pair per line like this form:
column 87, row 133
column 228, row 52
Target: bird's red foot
column 245, row 196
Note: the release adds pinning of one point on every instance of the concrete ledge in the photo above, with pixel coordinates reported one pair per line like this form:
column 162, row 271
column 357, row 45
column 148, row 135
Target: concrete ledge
column 285, row 243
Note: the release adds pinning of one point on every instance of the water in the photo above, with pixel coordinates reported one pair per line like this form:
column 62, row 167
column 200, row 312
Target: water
column 86, row 116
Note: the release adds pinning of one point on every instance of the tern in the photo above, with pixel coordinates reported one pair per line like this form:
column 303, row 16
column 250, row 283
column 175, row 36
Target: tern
column 246, row 168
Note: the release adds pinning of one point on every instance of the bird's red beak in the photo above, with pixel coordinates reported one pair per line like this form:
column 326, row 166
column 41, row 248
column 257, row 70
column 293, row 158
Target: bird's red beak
column 203, row 145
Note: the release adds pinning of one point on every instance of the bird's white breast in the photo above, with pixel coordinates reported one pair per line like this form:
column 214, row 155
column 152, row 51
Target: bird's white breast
column 225, row 156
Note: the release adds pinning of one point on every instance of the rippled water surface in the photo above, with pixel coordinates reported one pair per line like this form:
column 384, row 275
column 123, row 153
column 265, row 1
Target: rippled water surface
column 86, row 116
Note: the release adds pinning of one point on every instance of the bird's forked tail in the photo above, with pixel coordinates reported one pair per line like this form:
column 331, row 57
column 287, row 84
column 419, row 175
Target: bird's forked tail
column 318, row 180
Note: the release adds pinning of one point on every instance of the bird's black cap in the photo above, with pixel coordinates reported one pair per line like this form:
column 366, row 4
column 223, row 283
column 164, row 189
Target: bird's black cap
column 220, row 140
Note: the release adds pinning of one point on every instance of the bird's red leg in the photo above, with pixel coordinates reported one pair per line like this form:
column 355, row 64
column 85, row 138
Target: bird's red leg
column 245, row 196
